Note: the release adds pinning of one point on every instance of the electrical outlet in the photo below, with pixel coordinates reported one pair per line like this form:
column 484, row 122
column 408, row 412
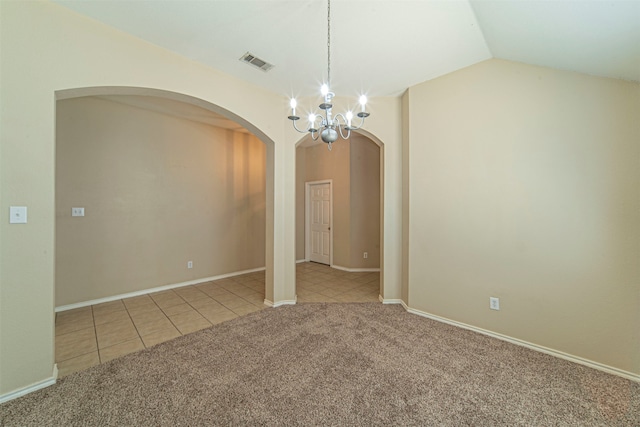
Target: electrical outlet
column 365, row 255
column 189, row 264
column 17, row 214
column 77, row 211
column 494, row 303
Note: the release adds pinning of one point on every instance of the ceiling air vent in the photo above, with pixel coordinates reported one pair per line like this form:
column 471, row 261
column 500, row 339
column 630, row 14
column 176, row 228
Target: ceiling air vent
column 256, row 62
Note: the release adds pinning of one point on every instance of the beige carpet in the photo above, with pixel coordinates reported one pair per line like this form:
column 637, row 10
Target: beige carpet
column 332, row 364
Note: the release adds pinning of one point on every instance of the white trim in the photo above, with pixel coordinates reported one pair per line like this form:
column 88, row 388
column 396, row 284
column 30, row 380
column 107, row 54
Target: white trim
column 307, row 218
column 280, row 303
column 300, row 261
column 390, row 301
column 152, row 290
column 33, row 387
column 562, row 355
column 355, row 270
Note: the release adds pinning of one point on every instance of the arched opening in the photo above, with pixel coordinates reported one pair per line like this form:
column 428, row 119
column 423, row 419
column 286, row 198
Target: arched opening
column 353, row 173
column 242, row 162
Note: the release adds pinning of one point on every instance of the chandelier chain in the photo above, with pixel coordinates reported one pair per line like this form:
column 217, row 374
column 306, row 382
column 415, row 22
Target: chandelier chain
column 329, row 43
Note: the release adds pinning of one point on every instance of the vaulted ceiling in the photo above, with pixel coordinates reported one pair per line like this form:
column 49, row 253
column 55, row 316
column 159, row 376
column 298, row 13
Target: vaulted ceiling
column 381, row 47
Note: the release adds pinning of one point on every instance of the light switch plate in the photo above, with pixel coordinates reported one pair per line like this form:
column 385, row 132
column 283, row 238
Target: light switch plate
column 77, row 211
column 17, row 214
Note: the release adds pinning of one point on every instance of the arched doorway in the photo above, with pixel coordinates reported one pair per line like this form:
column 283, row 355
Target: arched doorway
column 354, row 172
column 171, row 164
column 163, row 94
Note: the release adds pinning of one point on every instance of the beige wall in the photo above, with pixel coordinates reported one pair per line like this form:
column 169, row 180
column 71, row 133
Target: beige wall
column 158, row 191
column 406, row 128
column 524, row 186
column 301, row 161
column 365, row 202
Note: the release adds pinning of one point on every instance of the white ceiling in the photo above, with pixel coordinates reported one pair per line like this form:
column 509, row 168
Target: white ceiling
column 382, row 47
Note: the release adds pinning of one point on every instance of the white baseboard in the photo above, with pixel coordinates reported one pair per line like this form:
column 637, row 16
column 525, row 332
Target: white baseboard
column 390, row 301
column 300, row 261
column 355, row 270
column 562, row 355
column 31, row 388
column 280, row 303
column 152, row 290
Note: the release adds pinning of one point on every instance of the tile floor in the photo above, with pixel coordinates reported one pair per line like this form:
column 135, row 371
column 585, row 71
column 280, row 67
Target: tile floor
column 92, row 335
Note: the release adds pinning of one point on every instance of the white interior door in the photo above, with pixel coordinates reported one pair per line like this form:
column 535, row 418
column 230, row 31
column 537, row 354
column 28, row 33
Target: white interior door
column 319, row 223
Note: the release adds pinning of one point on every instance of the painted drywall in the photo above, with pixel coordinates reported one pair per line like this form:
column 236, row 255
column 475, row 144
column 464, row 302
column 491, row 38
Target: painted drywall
column 49, row 52
column 524, row 186
column 406, row 128
column 158, row 191
column 365, row 202
column 301, row 160
column 322, row 164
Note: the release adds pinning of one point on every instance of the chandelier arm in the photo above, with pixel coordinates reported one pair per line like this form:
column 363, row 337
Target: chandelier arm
column 359, row 126
column 296, row 128
column 315, row 135
column 338, row 116
column 342, row 134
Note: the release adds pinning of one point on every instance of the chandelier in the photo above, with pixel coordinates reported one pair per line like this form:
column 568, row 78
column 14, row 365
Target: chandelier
column 328, row 126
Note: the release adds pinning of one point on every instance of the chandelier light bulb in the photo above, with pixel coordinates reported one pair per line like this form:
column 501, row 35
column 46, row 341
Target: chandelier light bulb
column 363, row 101
column 312, row 119
column 349, row 117
column 324, row 90
column 293, row 104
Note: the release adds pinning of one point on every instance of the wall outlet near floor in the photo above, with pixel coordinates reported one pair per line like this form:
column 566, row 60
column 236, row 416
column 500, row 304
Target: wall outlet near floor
column 494, row 303
column 189, row 264
column 365, row 255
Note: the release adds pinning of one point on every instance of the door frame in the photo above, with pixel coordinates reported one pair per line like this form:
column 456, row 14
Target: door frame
column 307, row 218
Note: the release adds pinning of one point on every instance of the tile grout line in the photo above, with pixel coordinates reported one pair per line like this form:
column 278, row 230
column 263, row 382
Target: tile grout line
column 161, row 311
column 134, row 323
column 73, row 332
